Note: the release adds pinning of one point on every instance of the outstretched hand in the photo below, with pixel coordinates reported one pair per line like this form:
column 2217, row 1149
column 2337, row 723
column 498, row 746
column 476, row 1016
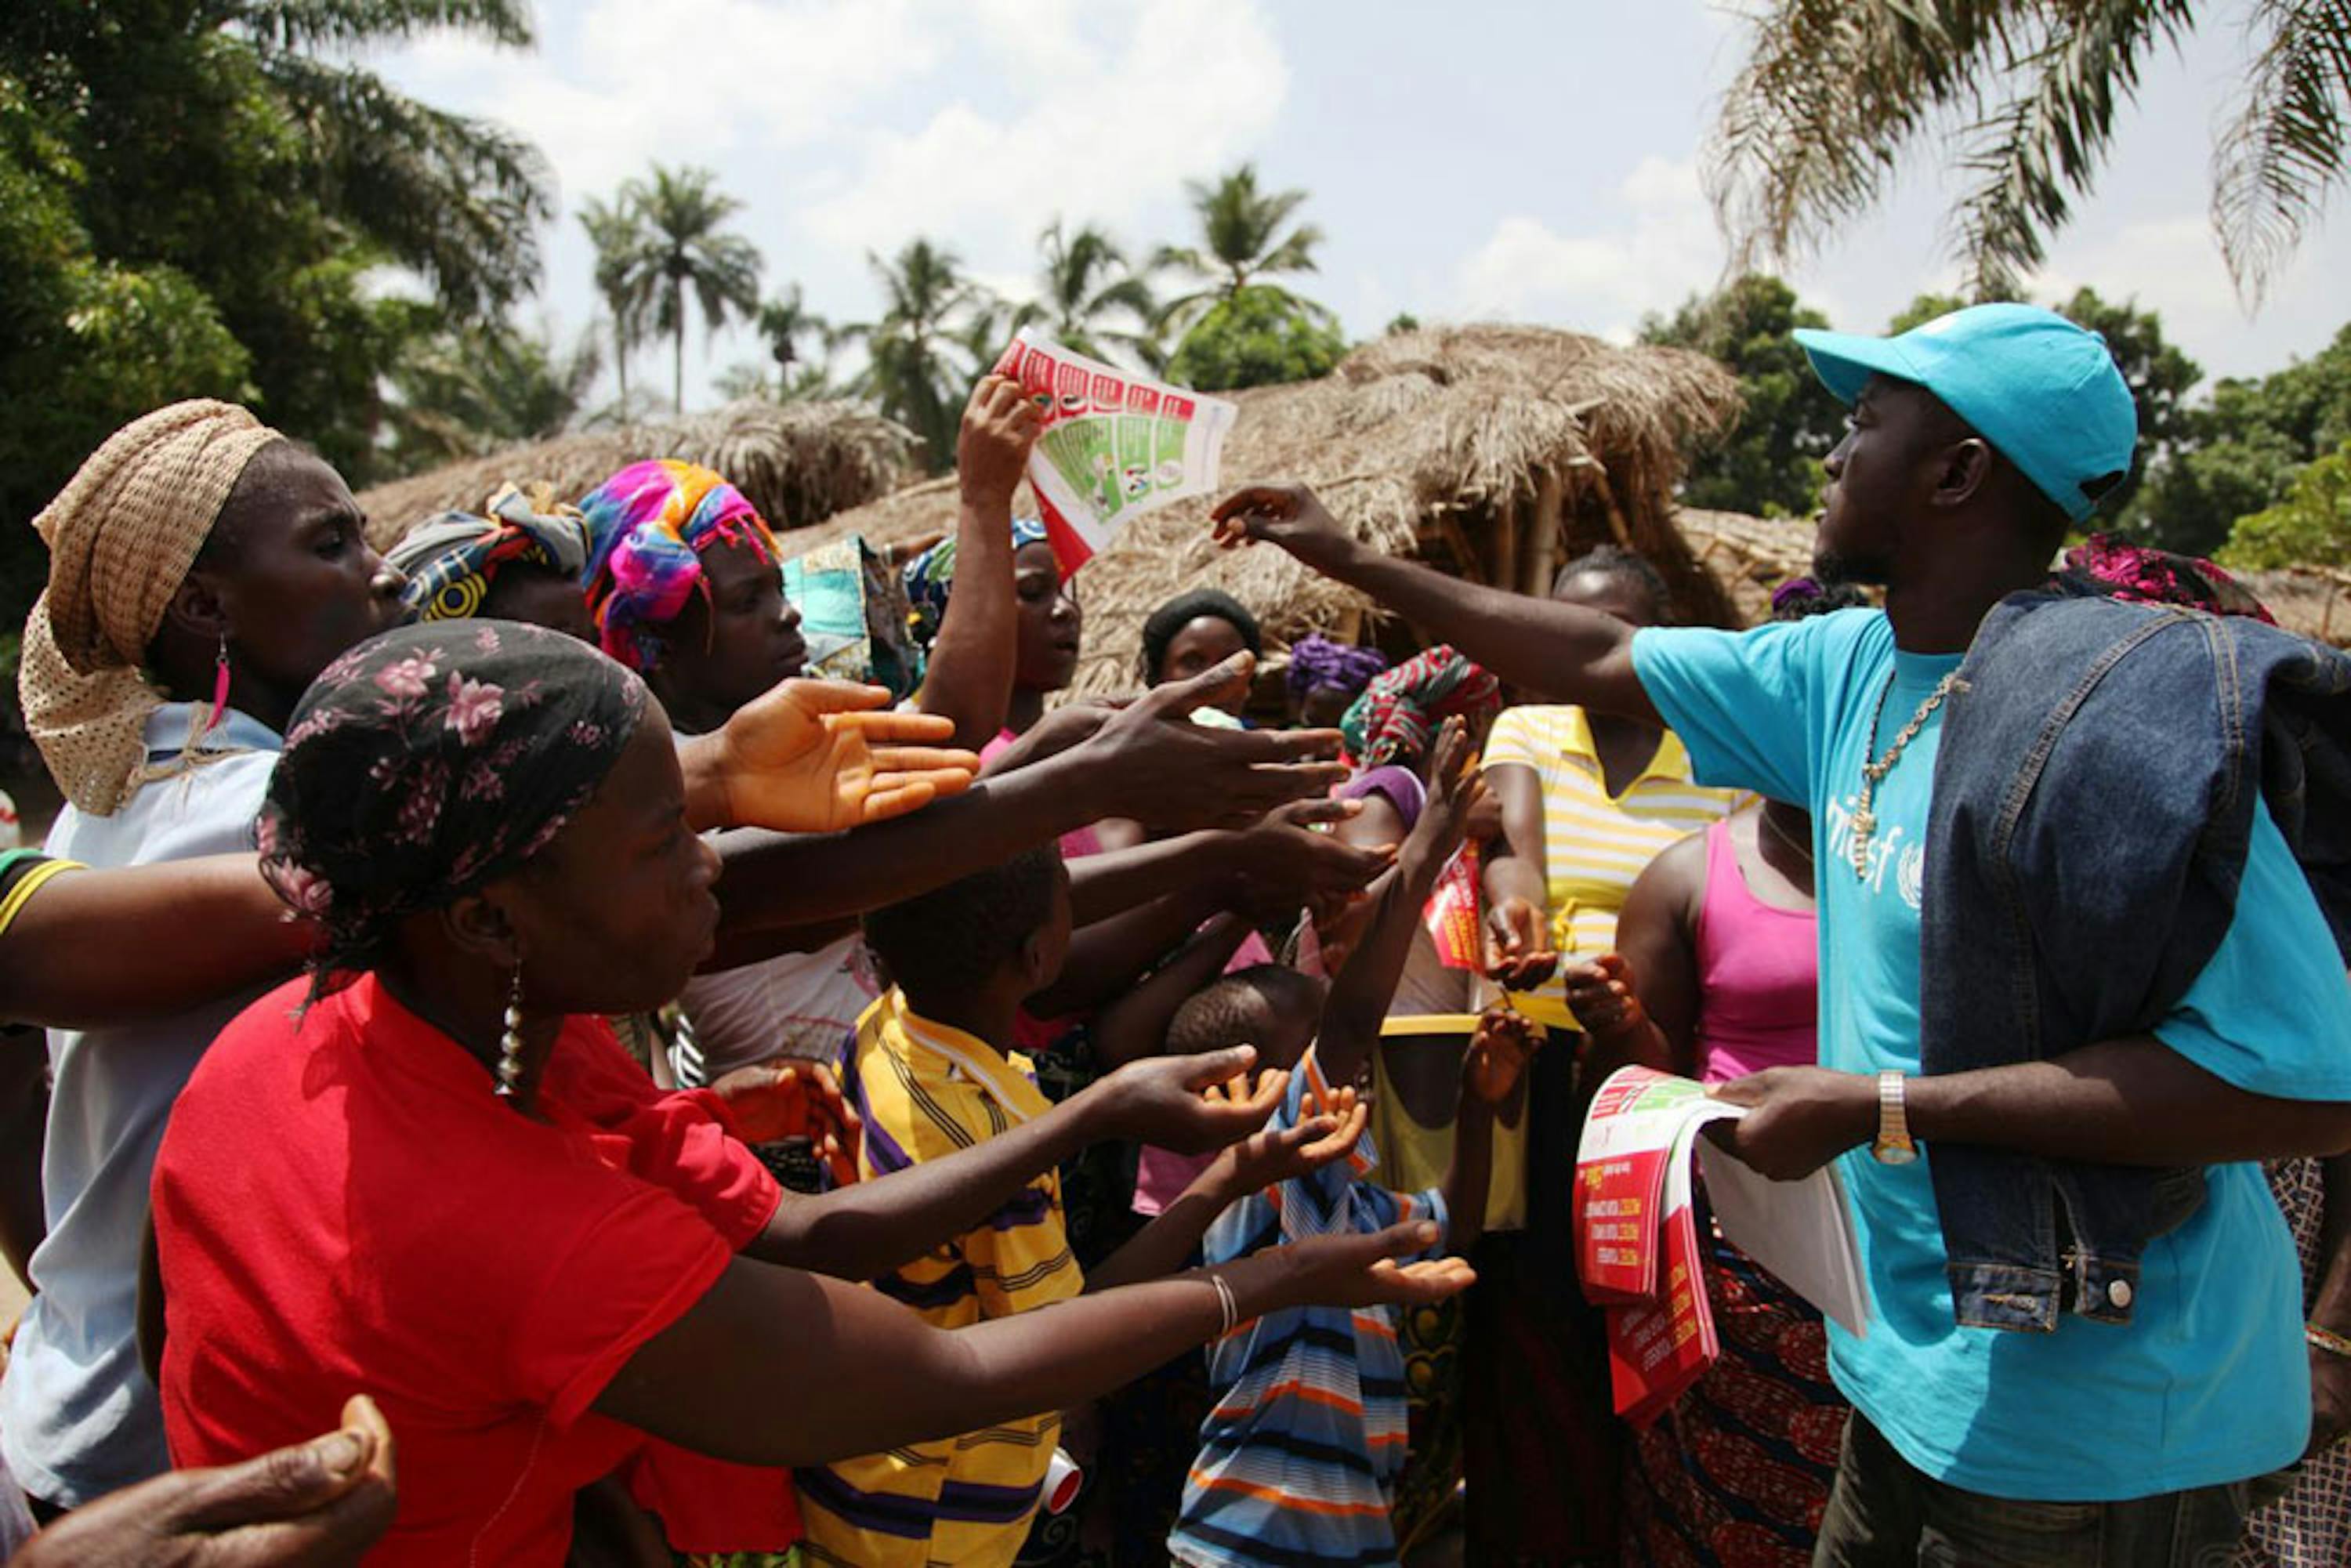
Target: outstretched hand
column 1455, row 788
column 1518, row 954
column 1353, row 1270
column 772, row 1100
column 1290, row 516
column 1600, row 993
column 1186, row 1102
column 811, row 757
column 1798, row 1118
column 319, row 1504
column 1169, row 772
column 1326, row 1131
column 1498, row 1054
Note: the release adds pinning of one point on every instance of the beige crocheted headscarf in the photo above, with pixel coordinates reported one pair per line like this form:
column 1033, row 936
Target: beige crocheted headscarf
column 122, row 535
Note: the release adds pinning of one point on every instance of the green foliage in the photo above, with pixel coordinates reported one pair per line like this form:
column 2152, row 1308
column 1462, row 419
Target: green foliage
column 683, row 251
column 472, row 388
column 1402, row 321
column 1089, row 299
column 2239, row 454
column 1260, row 336
column 936, row 330
column 197, row 198
column 1835, row 99
column 1243, row 243
column 1770, row 463
column 2311, row 526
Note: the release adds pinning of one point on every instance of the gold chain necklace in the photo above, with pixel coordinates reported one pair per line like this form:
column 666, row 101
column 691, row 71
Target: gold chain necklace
column 1864, row 820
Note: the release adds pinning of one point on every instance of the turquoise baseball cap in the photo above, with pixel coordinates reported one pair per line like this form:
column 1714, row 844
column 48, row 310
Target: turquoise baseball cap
column 2044, row 392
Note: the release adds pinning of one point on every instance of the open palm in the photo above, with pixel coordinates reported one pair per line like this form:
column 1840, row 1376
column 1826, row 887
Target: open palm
column 813, row 757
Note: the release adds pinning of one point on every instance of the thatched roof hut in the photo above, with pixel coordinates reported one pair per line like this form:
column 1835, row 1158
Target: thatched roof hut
column 797, row 462
column 1496, row 453
column 1751, row 556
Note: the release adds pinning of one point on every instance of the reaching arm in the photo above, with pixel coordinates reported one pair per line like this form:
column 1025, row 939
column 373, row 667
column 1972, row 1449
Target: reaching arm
column 1643, row 1007
column 1491, row 1071
column 970, row 677
column 712, row 1381
column 1562, row 652
column 1366, row 983
column 867, row 1230
column 1107, row 957
column 1134, row 1025
column 2128, row 1101
column 1517, row 920
column 202, row 929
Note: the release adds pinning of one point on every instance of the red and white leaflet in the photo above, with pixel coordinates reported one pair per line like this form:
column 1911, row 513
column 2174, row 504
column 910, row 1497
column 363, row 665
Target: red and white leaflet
column 1115, row 445
column 1630, row 1136
column 1658, row 1348
column 1451, row 913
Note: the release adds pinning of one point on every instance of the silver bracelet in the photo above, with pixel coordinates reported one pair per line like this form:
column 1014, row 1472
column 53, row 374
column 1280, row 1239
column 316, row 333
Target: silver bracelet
column 1224, row 1300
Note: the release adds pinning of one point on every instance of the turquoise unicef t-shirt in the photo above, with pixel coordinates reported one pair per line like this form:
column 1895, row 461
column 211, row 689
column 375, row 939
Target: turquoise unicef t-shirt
column 2209, row 1383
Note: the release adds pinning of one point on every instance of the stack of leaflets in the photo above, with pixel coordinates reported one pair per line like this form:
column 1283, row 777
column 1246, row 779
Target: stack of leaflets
column 1638, row 1248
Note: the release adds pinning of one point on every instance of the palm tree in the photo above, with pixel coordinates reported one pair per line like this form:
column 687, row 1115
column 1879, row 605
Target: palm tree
column 473, row 387
column 682, row 212
column 1086, row 280
column 1242, row 227
column 927, row 346
column 1836, row 93
column 785, row 322
column 618, row 232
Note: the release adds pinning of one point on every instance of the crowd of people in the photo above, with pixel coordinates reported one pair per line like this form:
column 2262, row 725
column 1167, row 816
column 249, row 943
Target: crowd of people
column 600, row 1038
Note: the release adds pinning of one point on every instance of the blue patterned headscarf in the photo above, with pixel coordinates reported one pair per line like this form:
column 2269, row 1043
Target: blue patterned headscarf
column 930, row 576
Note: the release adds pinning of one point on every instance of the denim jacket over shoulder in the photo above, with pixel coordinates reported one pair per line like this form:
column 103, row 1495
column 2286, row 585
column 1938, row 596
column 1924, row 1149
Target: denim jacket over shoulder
column 2094, row 796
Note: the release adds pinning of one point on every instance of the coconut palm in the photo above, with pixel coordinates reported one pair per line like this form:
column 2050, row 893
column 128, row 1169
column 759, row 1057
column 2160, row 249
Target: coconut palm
column 617, row 230
column 686, row 250
column 787, row 324
column 1242, row 227
column 924, row 351
column 1088, row 296
column 1837, row 94
column 457, row 198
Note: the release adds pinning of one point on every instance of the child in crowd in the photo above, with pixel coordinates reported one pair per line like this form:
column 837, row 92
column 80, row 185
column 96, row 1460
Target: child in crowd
column 931, row 1072
column 1298, row 1460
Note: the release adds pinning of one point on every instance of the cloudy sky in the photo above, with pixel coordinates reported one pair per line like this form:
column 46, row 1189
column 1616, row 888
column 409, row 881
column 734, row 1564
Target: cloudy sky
column 1527, row 162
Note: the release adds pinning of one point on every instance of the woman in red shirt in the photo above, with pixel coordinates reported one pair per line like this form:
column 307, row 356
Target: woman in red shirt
column 434, row 1176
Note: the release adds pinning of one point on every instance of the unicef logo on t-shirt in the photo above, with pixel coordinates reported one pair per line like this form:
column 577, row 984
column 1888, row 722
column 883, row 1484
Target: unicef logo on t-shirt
column 1910, row 875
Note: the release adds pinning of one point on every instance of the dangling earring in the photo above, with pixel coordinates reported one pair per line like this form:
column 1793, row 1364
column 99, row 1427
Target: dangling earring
column 510, row 1043
column 220, row 687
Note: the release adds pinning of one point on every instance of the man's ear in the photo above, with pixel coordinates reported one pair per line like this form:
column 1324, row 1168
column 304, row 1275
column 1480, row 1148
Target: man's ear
column 1967, row 468
column 478, row 923
column 1032, row 961
column 198, row 608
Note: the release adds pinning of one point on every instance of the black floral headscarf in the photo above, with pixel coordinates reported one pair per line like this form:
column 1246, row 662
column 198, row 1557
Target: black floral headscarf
column 430, row 761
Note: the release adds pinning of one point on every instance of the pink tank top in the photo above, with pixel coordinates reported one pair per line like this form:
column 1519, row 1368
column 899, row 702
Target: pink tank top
column 1758, row 972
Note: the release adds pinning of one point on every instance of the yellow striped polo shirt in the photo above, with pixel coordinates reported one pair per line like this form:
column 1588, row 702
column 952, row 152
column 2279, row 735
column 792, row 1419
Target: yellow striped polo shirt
column 925, row 1091
column 1595, row 845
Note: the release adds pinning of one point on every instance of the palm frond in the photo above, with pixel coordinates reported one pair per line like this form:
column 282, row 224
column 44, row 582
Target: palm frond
column 304, row 25
column 2044, row 145
column 2283, row 150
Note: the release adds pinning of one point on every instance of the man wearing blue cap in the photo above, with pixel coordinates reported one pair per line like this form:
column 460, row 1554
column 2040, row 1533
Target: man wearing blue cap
column 2067, row 945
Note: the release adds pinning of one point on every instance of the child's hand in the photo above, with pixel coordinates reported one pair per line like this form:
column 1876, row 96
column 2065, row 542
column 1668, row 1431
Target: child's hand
column 1186, row 1102
column 1454, row 790
column 795, row 1100
column 1329, row 1131
column 1519, row 955
column 1600, row 993
column 1498, row 1054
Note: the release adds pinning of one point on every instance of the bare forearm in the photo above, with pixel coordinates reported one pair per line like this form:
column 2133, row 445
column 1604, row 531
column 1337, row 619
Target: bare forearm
column 1106, row 957
column 1103, row 884
column 2133, row 1102
column 1366, row 983
column 864, row 1231
column 1134, row 1025
column 1469, row 1175
column 1165, row 1245
column 970, row 679
column 202, row 930
column 1562, row 652
column 782, row 879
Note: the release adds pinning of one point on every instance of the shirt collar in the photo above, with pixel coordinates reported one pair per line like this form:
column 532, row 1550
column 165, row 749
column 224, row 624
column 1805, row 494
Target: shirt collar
column 1004, row 1079
column 1671, row 764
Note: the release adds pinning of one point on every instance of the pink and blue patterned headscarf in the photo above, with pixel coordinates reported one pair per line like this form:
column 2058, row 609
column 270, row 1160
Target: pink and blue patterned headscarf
column 647, row 527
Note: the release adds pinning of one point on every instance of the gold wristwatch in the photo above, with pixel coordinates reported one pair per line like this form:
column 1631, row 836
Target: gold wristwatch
column 1893, row 1146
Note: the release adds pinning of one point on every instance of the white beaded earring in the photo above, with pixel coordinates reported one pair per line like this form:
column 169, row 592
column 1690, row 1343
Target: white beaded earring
column 510, row 1042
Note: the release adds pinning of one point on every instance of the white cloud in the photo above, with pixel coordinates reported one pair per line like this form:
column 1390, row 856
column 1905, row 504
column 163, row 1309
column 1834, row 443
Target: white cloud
column 1152, row 92
column 1663, row 249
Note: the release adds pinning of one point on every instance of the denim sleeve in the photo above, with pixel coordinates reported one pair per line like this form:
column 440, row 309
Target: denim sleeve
column 2271, row 1014
column 1741, row 701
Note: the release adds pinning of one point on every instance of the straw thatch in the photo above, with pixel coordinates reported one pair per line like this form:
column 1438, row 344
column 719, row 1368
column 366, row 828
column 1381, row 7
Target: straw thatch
column 798, row 463
column 1751, row 556
column 1496, row 453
